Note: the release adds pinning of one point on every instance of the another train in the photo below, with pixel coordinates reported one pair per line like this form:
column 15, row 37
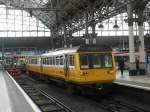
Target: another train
column 82, row 65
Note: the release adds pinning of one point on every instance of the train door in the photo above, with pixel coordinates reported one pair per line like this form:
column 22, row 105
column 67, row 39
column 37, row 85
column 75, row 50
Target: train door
column 66, row 67
column 41, row 65
column 69, row 67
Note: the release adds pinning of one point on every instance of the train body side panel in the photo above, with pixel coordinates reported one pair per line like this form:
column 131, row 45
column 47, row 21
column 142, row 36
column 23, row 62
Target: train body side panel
column 57, row 72
column 34, row 68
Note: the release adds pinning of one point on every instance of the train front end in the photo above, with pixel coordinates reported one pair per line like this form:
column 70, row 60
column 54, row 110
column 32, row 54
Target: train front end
column 96, row 66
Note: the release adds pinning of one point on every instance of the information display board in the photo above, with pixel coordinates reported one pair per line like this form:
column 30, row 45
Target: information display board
column 148, row 62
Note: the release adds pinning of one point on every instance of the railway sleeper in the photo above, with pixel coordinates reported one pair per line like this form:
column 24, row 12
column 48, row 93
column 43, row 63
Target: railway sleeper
column 51, row 108
column 43, row 102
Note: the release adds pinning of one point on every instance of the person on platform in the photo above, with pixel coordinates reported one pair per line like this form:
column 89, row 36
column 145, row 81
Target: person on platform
column 137, row 64
column 121, row 65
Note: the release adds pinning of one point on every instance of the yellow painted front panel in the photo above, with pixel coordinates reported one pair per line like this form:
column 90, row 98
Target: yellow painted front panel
column 91, row 76
column 98, row 76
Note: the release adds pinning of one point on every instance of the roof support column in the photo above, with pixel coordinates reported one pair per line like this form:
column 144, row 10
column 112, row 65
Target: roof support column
column 90, row 38
column 93, row 24
column 52, row 38
column 141, row 40
column 131, row 39
column 86, row 23
column 87, row 41
column 65, row 36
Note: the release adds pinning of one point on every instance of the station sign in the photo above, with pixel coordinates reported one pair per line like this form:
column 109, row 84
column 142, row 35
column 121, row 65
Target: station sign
column 148, row 58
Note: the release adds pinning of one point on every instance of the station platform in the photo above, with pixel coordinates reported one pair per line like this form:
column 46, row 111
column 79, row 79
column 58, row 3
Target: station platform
column 139, row 81
column 12, row 96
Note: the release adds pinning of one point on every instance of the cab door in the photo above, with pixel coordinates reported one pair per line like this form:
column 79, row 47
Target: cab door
column 70, row 67
column 41, row 65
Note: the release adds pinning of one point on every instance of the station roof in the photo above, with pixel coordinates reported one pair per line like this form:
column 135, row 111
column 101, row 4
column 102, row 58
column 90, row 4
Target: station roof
column 57, row 13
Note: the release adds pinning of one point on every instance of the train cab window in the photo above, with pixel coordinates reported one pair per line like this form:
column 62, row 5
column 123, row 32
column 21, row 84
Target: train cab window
column 108, row 60
column 71, row 60
column 97, row 61
column 84, row 61
column 61, row 60
column 45, row 61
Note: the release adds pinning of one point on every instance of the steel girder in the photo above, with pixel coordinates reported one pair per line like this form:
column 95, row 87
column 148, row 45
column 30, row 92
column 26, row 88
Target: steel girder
column 71, row 13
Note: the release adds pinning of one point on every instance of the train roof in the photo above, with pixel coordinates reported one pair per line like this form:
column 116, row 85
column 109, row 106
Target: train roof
column 83, row 48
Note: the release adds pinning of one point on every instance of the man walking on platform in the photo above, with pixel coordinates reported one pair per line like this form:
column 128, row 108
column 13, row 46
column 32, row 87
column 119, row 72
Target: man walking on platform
column 121, row 65
column 137, row 65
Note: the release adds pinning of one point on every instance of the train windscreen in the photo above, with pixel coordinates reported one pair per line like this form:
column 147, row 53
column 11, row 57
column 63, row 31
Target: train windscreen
column 96, row 60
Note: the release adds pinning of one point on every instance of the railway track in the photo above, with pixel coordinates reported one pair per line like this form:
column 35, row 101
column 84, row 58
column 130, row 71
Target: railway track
column 110, row 104
column 49, row 104
column 44, row 101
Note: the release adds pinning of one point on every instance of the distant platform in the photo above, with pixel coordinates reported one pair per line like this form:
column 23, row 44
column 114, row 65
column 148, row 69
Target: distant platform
column 139, row 81
column 12, row 97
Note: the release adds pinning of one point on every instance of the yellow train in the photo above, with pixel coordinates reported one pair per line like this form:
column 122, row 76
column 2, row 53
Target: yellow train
column 83, row 65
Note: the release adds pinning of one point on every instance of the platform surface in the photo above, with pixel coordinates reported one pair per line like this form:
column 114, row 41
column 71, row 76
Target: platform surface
column 12, row 99
column 138, row 81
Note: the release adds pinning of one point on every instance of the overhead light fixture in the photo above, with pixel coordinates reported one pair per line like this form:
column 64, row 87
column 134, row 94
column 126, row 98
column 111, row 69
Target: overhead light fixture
column 116, row 25
column 147, row 35
column 101, row 26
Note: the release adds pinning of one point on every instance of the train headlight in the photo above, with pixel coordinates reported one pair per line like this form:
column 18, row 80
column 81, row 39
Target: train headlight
column 110, row 72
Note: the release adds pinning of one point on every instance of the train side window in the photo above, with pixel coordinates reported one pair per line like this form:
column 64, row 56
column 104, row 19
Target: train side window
column 61, row 60
column 84, row 61
column 71, row 60
column 57, row 60
column 44, row 61
column 50, row 60
column 53, row 60
column 47, row 60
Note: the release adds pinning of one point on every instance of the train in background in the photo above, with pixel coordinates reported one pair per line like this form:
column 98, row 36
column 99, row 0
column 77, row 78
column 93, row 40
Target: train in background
column 90, row 65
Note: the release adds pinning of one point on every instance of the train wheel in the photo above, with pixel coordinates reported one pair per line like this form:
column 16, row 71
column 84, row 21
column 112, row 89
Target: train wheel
column 71, row 89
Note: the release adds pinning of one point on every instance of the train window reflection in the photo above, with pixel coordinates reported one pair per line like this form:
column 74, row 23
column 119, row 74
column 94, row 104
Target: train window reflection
column 71, row 60
column 84, row 61
column 96, row 60
column 61, row 60
column 108, row 60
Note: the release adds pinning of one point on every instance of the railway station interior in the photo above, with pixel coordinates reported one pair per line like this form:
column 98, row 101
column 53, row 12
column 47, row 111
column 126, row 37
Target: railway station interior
column 74, row 55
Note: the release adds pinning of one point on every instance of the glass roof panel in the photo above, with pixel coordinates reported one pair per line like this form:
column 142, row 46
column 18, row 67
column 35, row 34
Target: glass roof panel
column 18, row 23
